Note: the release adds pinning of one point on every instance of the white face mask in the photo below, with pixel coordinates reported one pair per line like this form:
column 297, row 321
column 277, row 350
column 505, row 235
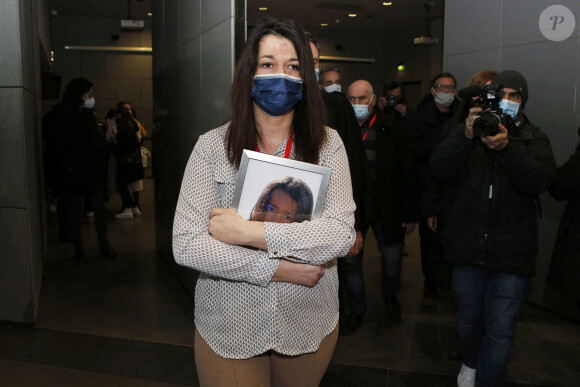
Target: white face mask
column 89, row 103
column 333, row 87
column 444, row 99
column 362, row 111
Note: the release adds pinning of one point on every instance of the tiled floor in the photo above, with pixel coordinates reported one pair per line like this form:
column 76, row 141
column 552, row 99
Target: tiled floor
column 129, row 322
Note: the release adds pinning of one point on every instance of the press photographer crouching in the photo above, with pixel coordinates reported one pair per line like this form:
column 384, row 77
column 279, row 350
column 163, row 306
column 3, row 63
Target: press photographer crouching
column 499, row 162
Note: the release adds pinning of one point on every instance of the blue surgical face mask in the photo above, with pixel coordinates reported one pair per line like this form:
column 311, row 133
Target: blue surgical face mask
column 317, row 73
column 509, row 107
column 276, row 94
column 362, row 111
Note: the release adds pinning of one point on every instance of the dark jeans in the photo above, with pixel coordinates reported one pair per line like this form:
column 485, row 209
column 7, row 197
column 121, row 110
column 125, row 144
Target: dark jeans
column 352, row 279
column 75, row 205
column 488, row 305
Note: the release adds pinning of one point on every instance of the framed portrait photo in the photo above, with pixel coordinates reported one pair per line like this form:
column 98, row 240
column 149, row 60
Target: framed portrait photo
column 274, row 189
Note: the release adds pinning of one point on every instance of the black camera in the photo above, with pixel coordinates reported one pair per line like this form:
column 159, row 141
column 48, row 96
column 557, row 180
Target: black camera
column 487, row 124
column 393, row 100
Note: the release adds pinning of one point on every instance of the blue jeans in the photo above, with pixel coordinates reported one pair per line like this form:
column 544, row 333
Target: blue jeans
column 488, row 305
column 352, row 279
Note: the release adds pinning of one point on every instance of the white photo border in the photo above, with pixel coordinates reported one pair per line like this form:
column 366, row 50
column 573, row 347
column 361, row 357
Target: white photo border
column 252, row 178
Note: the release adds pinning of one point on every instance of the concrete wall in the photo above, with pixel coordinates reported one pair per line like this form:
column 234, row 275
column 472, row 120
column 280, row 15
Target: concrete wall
column 21, row 204
column 502, row 34
column 193, row 62
column 116, row 75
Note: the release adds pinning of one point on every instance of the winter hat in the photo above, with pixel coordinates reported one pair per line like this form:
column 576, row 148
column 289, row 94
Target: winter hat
column 513, row 80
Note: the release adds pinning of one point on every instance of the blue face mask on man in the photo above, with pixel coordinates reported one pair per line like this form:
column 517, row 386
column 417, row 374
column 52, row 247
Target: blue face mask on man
column 509, row 107
column 362, row 111
column 276, row 94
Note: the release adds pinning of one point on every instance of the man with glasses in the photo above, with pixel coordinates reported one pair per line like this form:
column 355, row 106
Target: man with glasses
column 330, row 79
column 491, row 226
column 425, row 127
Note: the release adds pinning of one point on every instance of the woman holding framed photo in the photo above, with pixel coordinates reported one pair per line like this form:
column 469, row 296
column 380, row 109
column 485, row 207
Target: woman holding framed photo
column 266, row 301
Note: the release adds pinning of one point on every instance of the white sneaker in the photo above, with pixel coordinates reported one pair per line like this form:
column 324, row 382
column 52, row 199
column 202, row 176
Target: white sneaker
column 125, row 214
column 136, row 211
column 466, row 377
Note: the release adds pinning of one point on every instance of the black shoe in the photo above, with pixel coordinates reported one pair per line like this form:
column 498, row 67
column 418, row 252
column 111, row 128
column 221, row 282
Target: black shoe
column 349, row 324
column 393, row 309
column 108, row 252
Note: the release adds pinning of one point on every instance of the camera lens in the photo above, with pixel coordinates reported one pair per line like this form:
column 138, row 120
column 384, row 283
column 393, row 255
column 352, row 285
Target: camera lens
column 486, row 125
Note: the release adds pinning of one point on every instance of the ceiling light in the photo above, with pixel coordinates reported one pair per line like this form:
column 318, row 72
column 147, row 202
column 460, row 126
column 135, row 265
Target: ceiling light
column 352, row 14
column 149, row 14
column 387, row 3
column 263, row 8
column 324, row 24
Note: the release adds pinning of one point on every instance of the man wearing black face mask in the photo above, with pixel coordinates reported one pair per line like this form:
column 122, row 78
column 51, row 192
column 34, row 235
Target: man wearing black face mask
column 491, row 226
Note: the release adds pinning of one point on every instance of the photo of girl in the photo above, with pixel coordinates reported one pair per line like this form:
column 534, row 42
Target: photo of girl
column 286, row 200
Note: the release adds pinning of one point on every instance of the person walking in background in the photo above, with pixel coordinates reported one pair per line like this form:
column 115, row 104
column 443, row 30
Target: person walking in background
column 564, row 273
column 125, row 134
column 425, row 127
column 78, row 154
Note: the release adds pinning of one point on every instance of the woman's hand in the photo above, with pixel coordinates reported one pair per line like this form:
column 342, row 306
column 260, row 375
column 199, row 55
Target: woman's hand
column 298, row 273
column 228, row 227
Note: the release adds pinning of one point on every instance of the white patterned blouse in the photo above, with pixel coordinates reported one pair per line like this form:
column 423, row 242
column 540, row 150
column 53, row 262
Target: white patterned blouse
column 238, row 311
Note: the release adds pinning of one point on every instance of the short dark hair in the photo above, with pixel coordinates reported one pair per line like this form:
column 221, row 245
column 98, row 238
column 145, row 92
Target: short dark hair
column 298, row 191
column 309, row 113
column 75, row 90
column 443, row 75
column 395, row 85
column 312, row 40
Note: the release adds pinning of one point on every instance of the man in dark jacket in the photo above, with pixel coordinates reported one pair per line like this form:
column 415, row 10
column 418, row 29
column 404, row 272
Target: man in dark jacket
column 389, row 163
column 491, row 229
column 340, row 116
column 425, row 127
column 564, row 272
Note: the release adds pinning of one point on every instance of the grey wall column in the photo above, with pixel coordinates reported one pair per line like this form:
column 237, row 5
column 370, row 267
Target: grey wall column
column 21, row 208
column 507, row 34
column 193, row 62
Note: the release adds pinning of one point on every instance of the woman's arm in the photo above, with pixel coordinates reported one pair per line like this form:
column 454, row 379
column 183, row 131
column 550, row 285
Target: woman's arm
column 193, row 246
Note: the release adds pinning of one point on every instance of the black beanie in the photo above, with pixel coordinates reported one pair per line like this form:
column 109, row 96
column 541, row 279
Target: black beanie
column 513, row 80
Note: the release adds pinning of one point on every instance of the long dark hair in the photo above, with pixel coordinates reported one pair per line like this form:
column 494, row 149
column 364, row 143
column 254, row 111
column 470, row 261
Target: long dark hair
column 298, row 192
column 308, row 121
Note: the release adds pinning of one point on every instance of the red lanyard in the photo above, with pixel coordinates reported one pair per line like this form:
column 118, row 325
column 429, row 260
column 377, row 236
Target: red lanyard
column 288, row 147
column 370, row 126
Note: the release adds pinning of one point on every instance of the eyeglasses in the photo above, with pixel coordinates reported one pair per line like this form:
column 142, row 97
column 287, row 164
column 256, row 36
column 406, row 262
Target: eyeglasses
column 514, row 97
column 444, row 87
column 329, row 69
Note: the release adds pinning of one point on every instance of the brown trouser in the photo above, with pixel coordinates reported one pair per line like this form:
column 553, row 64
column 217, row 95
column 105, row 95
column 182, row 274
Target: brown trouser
column 268, row 369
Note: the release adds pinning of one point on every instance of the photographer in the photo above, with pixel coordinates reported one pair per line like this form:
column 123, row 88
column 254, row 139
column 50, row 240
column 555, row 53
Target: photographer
column 394, row 102
column 491, row 229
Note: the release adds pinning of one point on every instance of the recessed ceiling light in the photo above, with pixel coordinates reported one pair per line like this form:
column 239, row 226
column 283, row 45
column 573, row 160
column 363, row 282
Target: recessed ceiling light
column 324, row 24
column 387, row 3
column 263, row 8
column 352, row 14
column 149, row 14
